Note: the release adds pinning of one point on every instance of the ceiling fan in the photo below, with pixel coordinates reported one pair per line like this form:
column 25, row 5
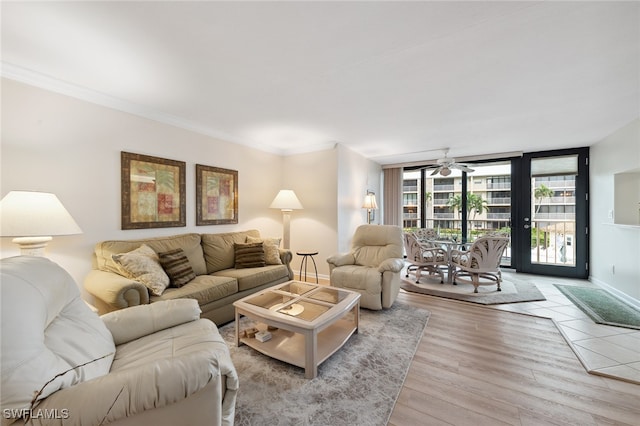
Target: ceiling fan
column 444, row 165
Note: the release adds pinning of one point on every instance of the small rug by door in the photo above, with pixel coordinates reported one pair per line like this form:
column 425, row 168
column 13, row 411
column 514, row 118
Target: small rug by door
column 601, row 306
column 513, row 291
column 358, row 385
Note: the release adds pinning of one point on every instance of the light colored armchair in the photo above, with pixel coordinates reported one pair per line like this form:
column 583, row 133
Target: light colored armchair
column 480, row 265
column 155, row 364
column 372, row 267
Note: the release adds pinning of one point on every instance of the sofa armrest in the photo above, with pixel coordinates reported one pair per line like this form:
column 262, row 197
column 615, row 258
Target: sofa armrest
column 341, row 259
column 132, row 323
column 160, row 383
column 115, row 291
column 393, row 265
column 286, row 256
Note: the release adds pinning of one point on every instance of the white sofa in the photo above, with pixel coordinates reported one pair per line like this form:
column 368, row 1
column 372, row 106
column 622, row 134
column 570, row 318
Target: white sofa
column 154, row 364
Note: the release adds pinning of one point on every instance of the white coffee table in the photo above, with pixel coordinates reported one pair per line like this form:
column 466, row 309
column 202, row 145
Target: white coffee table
column 312, row 322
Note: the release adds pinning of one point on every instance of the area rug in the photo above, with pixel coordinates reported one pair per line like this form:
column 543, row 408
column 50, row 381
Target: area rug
column 513, row 291
column 601, row 306
column 358, row 385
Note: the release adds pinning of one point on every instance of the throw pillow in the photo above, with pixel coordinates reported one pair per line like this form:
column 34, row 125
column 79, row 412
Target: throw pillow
column 177, row 267
column 143, row 265
column 271, row 249
column 249, row 255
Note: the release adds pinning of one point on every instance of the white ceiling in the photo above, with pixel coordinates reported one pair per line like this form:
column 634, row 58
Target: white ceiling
column 393, row 81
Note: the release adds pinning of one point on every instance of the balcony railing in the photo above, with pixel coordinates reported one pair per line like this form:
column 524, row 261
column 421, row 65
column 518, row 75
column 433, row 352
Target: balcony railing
column 443, row 187
column 568, row 184
column 554, row 216
column 499, row 185
column 444, row 215
column 497, row 200
column 503, row 216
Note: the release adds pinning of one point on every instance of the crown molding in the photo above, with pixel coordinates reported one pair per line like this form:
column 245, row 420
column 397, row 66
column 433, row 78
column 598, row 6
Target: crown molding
column 33, row 78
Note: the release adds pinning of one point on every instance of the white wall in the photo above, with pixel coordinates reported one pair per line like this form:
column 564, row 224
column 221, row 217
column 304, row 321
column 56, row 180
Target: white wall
column 614, row 247
column 313, row 177
column 356, row 175
column 70, row 147
column 331, row 186
column 55, row 143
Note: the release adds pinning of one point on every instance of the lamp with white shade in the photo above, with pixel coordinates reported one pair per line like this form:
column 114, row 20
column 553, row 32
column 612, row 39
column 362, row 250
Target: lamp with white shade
column 371, row 205
column 33, row 218
column 287, row 201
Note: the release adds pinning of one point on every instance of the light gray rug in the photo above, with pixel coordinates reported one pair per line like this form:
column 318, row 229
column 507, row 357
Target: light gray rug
column 513, row 291
column 358, row 385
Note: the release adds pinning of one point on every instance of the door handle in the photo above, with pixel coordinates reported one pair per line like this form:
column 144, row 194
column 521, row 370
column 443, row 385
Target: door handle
column 527, row 227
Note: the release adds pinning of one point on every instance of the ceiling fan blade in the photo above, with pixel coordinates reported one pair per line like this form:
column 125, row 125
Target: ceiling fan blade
column 436, row 171
column 464, row 168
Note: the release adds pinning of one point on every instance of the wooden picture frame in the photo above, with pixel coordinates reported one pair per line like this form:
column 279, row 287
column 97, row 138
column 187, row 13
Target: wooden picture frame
column 216, row 195
column 152, row 192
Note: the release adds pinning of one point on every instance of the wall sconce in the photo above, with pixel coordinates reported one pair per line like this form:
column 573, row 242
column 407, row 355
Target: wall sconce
column 286, row 201
column 33, row 217
column 371, row 205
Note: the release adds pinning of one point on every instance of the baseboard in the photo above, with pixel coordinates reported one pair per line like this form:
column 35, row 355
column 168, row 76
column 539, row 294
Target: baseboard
column 322, row 278
column 617, row 293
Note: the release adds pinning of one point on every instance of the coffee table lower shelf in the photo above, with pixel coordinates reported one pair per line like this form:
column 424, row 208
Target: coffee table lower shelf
column 300, row 350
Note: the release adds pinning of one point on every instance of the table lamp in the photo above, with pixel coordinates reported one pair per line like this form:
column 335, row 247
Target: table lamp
column 33, row 218
column 286, row 201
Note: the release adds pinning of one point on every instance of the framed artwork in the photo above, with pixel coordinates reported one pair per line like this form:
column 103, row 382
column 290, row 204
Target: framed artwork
column 153, row 192
column 216, row 195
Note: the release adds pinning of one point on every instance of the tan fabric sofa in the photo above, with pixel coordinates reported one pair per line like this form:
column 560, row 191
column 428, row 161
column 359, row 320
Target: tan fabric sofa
column 155, row 364
column 217, row 283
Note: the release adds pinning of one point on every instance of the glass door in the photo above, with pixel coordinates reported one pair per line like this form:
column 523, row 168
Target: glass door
column 551, row 213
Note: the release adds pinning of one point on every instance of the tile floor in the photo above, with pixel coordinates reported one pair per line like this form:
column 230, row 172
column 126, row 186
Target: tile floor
column 602, row 349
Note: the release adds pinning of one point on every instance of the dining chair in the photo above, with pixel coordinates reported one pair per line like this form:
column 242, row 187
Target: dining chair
column 480, row 264
column 421, row 259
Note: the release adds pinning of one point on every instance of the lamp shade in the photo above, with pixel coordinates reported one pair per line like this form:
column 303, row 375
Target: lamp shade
column 34, row 214
column 370, row 201
column 286, row 200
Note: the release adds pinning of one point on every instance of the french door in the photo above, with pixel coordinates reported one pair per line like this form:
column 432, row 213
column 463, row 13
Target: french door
column 551, row 213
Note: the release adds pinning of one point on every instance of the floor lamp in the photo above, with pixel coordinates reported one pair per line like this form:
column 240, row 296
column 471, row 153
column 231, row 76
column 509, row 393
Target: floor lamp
column 286, row 201
column 33, row 218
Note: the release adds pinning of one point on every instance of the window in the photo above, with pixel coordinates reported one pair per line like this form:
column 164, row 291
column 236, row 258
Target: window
column 410, row 199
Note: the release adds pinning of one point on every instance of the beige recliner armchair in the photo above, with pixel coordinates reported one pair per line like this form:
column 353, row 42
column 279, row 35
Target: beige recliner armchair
column 372, row 267
column 155, row 364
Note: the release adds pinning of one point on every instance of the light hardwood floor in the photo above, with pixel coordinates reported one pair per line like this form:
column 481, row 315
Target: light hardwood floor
column 479, row 366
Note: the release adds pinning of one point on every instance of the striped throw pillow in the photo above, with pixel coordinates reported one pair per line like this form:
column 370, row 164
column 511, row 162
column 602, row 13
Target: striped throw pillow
column 250, row 255
column 177, row 267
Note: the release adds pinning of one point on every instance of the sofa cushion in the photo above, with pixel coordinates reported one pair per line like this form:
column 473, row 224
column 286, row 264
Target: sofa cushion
column 190, row 243
column 249, row 255
column 249, row 278
column 219, row 252
column 47, row 329
column 177, row 266
column 143, row 265
column 271, row 249
column 203, row 288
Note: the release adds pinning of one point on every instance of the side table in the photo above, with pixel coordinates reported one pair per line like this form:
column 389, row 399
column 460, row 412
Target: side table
column 306, row 255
